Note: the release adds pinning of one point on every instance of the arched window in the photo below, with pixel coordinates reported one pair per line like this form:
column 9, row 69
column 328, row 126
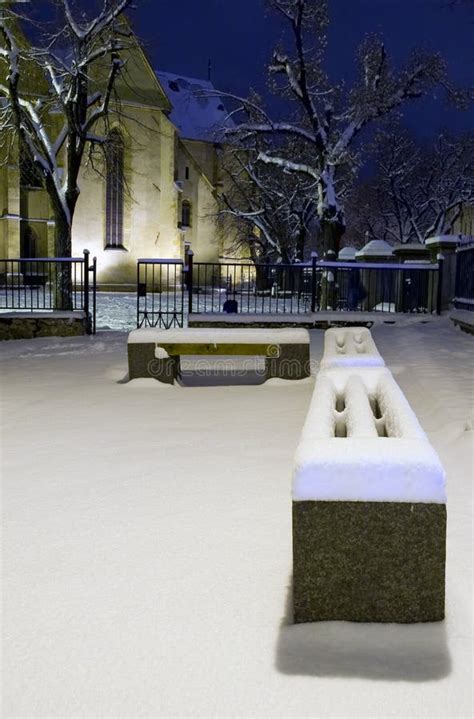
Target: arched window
column 114, row 193
column 186, row 214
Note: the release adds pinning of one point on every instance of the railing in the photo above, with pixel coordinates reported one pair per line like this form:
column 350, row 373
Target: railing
column 380, row 287
column 50, row 284
column 160, row 293
column 464, row 290
column 252, row 289
column 168, row 291
column 313, row 287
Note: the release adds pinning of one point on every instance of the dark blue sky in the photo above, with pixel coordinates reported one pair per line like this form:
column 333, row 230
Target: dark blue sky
column 180, row 36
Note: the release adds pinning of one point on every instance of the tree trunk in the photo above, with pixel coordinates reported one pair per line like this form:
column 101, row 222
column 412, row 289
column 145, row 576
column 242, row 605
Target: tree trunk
column 332, row 233
column 63, row 288
column 300, row 244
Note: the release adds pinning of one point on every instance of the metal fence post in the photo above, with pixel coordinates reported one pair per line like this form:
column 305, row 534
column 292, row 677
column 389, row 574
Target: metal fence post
column 314, row 259
column 86, row 291
column 189, row 281
column 439, row 297
column 94, row 295
column 138, row 293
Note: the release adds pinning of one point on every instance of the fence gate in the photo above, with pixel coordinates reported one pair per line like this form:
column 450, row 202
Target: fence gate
column 160, row 293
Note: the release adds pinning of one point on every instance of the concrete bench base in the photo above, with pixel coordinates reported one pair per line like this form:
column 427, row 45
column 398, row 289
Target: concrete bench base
column 292, row 362
column 143, row 363
column 368, row 561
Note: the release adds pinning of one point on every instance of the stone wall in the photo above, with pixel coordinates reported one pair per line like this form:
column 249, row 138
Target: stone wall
column 22, row 325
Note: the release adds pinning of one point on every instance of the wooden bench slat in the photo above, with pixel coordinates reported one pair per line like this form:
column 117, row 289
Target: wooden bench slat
column 219, row 348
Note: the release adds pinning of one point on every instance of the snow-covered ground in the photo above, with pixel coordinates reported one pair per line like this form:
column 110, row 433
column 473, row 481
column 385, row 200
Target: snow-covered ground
column 147, row 543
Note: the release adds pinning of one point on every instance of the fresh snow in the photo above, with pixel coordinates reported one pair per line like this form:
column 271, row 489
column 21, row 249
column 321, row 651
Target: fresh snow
column 357, row 464
column 197, row 108
column 379, row 248
column 147, row 543
column 213, row 335
column 368, row 470
column 350, row 347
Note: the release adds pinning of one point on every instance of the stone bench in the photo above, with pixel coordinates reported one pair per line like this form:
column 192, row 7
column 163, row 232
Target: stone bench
column 350, row 347
column 369, row 506
column 156, row 352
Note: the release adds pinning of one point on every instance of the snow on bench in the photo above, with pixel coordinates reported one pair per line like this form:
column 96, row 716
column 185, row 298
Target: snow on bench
column 385, row 455
column 350, row 347
column 156, row 352
column 369, row 515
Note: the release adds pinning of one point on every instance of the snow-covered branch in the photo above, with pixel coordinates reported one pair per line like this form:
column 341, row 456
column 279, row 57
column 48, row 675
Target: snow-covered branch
column 417, row 191
column 325, row 119
column 289, row 165
column 270, row 128
column 61, row 68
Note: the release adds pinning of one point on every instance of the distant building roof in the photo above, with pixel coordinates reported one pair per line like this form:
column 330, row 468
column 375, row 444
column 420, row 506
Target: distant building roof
column 197, row 114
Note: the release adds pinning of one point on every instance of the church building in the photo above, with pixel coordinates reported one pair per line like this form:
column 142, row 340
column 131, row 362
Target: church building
column 152, row 194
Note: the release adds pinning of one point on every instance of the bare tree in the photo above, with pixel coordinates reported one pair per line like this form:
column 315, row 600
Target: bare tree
column 328, row 119
column 78, row 62
column 418, row 190
column 270, row 215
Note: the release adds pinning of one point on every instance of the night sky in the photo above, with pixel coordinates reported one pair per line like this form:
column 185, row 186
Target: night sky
column 238, row 35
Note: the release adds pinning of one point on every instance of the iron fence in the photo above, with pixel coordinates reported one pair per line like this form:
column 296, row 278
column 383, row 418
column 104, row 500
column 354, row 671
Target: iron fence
column 168, row 291
column 379, row 287
column 313, row 287
column 160, row 293
column 251, row 288
column 464, row 289
column 49, row 284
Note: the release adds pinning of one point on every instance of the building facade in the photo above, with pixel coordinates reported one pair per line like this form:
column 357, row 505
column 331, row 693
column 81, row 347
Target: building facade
column 152, row 193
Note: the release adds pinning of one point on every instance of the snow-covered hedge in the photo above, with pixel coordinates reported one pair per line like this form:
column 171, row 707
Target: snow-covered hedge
column 350, row 347
column 362, row 442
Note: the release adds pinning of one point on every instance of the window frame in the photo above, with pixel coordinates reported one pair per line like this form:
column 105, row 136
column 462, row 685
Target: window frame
column 186, row 213
column 114, row 190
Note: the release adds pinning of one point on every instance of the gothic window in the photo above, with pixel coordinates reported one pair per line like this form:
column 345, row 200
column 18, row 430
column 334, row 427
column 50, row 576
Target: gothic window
column 114, row 190
column 186, row 214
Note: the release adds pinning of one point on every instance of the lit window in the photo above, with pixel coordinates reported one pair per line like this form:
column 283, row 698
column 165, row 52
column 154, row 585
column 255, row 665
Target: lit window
column 114, row 191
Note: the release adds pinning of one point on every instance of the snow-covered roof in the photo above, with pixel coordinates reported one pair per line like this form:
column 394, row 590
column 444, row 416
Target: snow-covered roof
column 377, row 248
column 197, row 113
